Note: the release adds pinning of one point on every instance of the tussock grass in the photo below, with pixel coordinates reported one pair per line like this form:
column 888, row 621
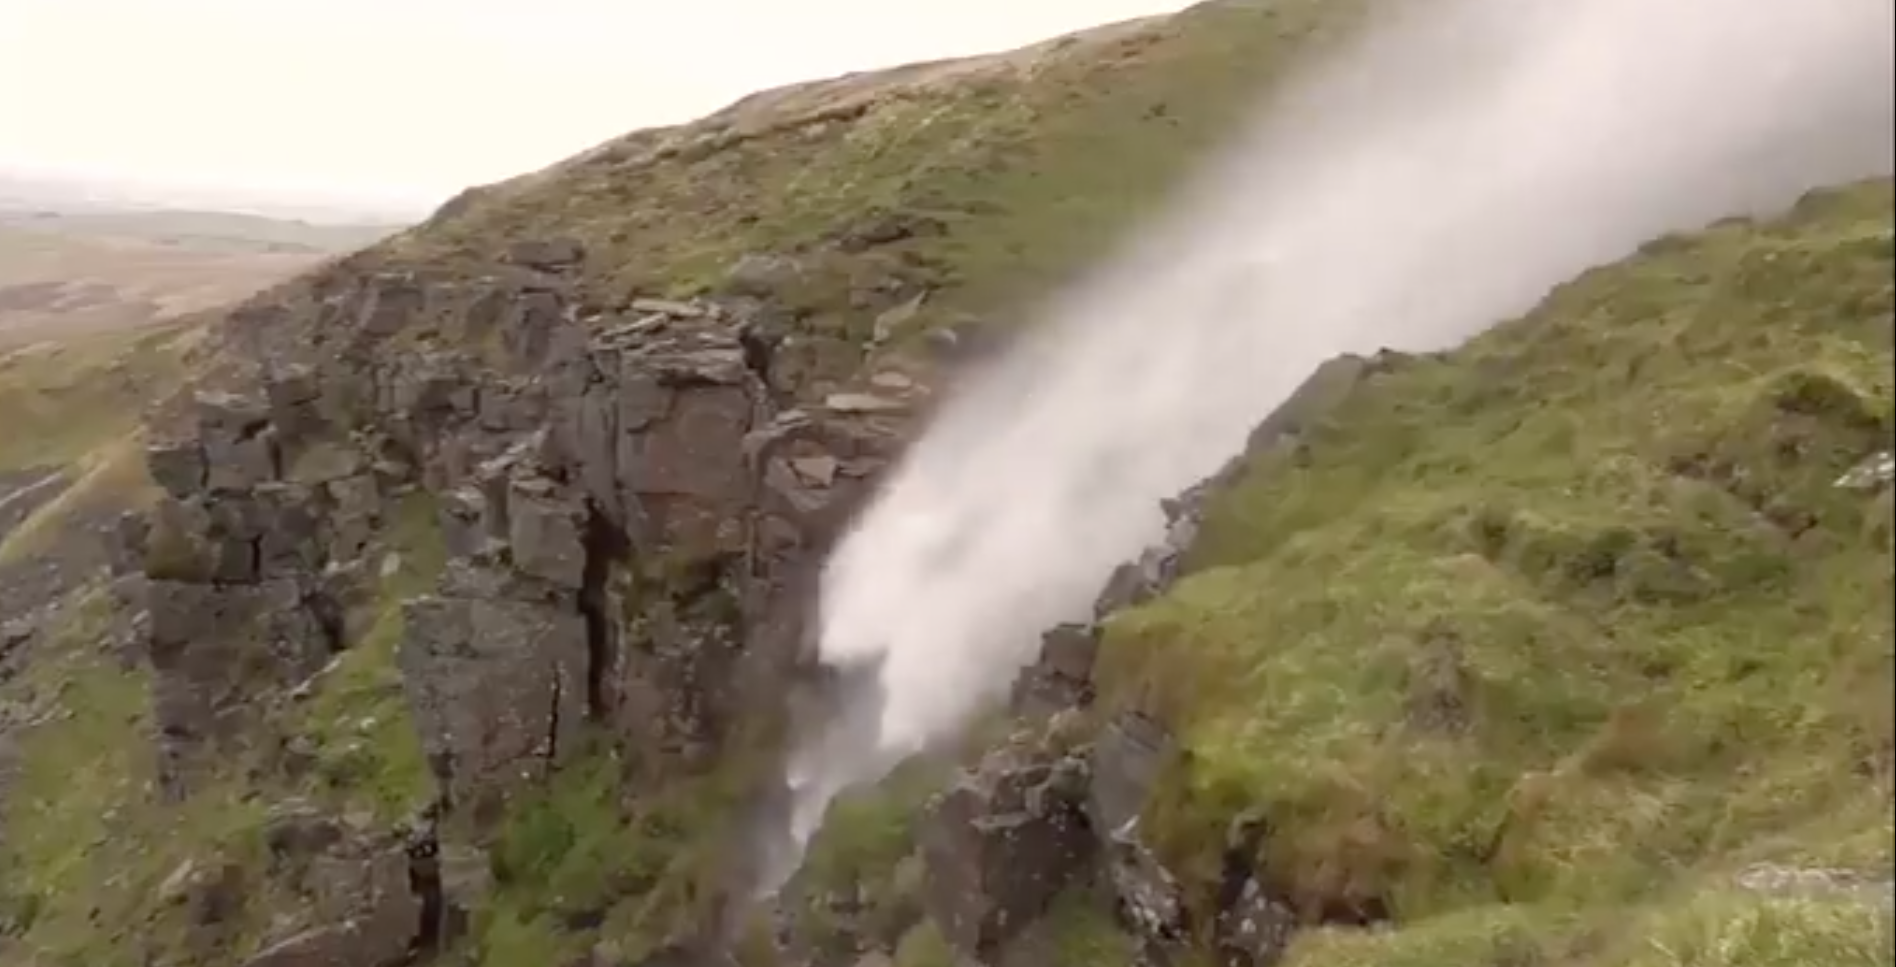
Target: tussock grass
column 1563, row 615
column 368, row 754
column 94, row 858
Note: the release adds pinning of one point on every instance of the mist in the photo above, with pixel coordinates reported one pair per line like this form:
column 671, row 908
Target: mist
column 1436, row 176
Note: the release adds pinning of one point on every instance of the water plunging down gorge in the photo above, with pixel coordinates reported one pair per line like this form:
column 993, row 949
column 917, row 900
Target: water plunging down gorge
column 1439, row 175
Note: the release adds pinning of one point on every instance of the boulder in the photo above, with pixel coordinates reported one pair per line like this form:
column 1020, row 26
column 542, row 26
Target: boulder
column 1062, row 677
column 546, row 530
column 295, row 832
column 386, row 304
column 1254, row 930
column 178, row 468
column 1001, row 844
column 1126, row 761
column 127, row 539
column 547, row 254
column 498, row 690
column 294, row 397
column 229, row 416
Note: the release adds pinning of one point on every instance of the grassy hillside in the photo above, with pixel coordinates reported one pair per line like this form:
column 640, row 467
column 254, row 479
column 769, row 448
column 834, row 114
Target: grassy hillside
column 1574, row 619
column 64, row 275
column 972, row 185
column 203, row 231
column 1537, row 643
column 935, row 194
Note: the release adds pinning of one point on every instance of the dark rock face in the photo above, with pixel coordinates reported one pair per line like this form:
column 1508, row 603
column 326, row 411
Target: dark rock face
column 179, row 468
column 652, row 418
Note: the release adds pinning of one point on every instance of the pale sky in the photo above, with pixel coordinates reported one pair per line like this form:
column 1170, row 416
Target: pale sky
column 420, row 98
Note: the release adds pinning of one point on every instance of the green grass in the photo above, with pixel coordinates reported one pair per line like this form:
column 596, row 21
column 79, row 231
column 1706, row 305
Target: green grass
column 64, row 401
column 110, row 478
column 1725, row 929
column 866, row 851
column 924, row 946
column 1714, row 927
column 1566, row 614
column 590, row 859
column 1079, row 931
column 88, row 844
column 367, row 750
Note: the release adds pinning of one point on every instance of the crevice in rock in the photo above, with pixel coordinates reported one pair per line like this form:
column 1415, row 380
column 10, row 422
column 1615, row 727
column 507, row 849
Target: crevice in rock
column 424, row 881
column 550, row 755
column 759, row 343
column 441, row 767
column 331, row 623
column 604, row 546
column 254, row 553
column 1240, row 857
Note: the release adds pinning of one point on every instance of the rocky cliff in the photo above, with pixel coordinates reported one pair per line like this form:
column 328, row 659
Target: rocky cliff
column 459, row 609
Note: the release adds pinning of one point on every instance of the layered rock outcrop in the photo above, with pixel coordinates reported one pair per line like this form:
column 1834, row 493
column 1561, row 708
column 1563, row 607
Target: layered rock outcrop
column 238, row 556
column 631, row 510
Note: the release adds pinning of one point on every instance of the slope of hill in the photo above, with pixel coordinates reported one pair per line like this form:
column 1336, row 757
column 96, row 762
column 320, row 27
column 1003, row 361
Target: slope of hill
column 65, row 273
column 1646, row 644
column 464, row 623
column 210, row 231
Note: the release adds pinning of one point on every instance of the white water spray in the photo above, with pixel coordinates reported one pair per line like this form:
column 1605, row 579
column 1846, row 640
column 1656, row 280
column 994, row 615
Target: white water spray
column 1438, row 176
